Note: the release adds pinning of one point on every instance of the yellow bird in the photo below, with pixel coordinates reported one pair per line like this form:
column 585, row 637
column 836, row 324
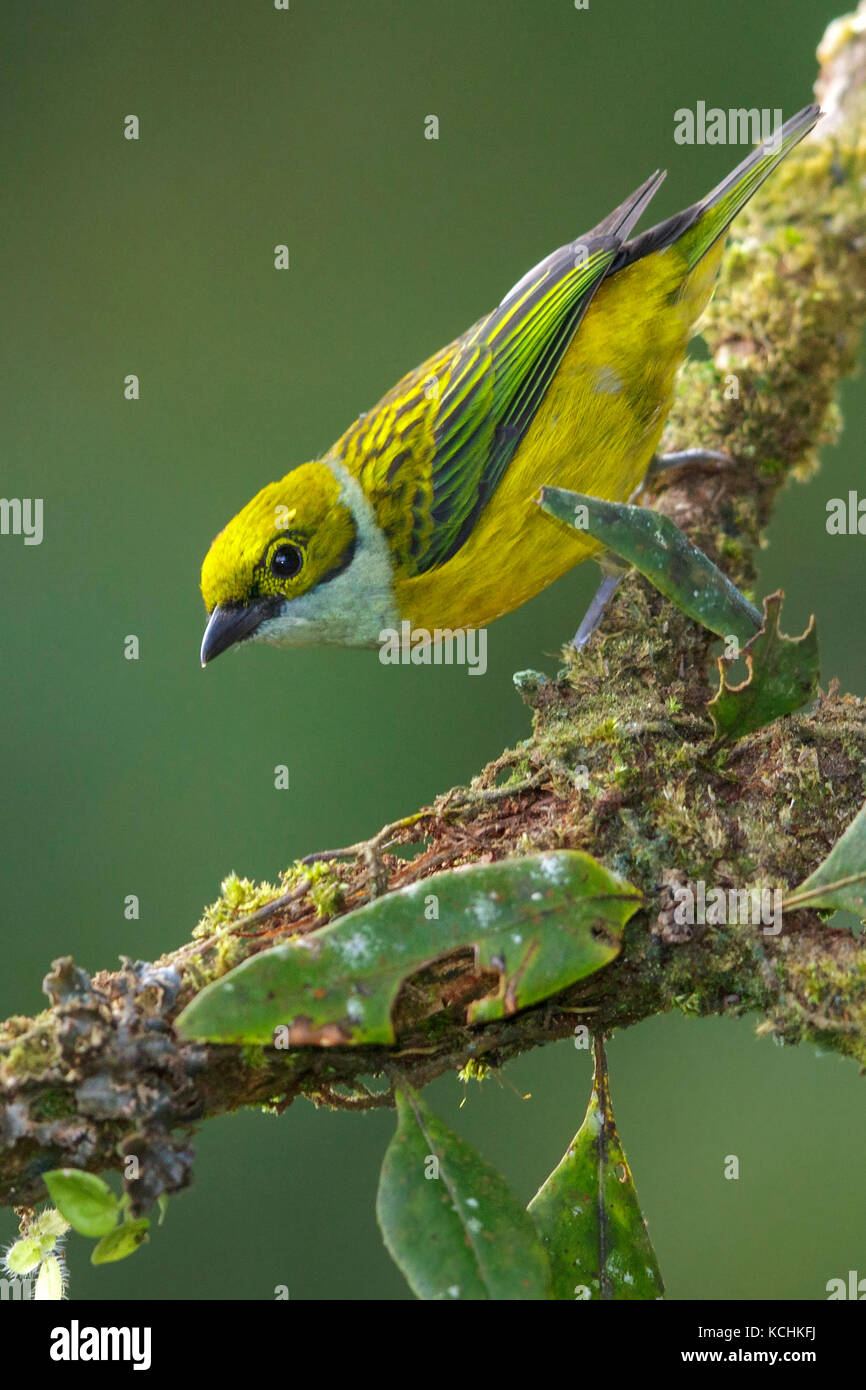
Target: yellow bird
column 422, row 512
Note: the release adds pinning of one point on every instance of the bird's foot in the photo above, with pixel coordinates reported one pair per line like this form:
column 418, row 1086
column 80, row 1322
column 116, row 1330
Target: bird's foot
column 687, row 458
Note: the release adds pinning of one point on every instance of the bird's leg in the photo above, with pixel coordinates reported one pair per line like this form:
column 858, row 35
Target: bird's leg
column 612, row 569
column 685, row 458
column 595, row 612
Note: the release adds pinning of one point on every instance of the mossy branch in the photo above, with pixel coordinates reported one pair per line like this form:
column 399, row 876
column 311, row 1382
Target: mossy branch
column 620, row 762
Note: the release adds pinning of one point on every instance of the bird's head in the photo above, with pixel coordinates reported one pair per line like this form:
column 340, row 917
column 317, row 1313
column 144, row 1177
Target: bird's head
column 269, row 575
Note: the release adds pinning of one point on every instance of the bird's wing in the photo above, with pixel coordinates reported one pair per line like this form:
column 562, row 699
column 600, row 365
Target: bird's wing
column 431, row 454
column 496, row 382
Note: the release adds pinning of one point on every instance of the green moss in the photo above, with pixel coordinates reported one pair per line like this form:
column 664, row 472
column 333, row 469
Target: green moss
column 254, row 1056
column 239, row 897
column 324, row 887
column 785, row 322
column 473, row 1071
column 690, row 1004
column 53, row 1104
column 606, row 731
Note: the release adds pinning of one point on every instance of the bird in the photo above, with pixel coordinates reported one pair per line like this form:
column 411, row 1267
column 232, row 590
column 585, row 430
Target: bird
column 422, row 511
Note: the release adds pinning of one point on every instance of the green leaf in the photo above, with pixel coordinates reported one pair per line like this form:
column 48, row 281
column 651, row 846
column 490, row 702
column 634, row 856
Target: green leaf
column 588, row 1214
column 23, row 1256
column 540, row 923
column 449, row 1220
column 839, row 880
column 665, row 556
column 783, row 675
column 87, row 1202
column 122, row 1242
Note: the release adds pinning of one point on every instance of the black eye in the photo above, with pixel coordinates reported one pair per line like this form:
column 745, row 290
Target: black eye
column 287, row 561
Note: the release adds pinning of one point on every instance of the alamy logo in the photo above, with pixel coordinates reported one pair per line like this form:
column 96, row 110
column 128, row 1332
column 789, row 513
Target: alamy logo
column 22, row 516
column 854, row 1287
column 443, row 646
column 846, row 517
column 737, row 126
column 746, row 907
column 19, row 1288
column 77, row 1343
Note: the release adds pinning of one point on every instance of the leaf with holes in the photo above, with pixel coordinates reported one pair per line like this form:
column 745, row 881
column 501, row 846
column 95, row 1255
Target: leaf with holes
column 539, row 923
column 783, row 675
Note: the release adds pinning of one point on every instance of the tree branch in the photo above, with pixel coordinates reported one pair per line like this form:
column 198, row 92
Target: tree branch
column 620, row 762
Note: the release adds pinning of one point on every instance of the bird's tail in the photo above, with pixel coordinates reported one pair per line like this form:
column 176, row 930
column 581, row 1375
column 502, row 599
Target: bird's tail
column 620, row 222
column 699, row 227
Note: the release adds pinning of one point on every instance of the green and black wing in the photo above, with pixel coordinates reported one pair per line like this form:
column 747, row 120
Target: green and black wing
column 502, row 369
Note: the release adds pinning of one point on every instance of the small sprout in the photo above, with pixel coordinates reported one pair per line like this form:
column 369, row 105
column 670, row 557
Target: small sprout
column 22, row 1257
column 48, row 1226
column 87, row 1203
column 121, row 1242
column 50, row 1282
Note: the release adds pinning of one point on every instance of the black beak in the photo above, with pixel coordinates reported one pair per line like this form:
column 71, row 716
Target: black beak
column 230, row 623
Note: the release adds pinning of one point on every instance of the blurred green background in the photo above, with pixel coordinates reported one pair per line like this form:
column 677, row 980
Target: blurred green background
column 155, row 778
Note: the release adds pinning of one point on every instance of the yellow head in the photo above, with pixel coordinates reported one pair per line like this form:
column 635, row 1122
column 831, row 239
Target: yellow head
column 302, row 563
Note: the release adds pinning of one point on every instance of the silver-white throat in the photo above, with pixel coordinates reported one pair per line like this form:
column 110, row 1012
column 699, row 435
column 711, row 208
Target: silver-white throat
column 353, row 608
